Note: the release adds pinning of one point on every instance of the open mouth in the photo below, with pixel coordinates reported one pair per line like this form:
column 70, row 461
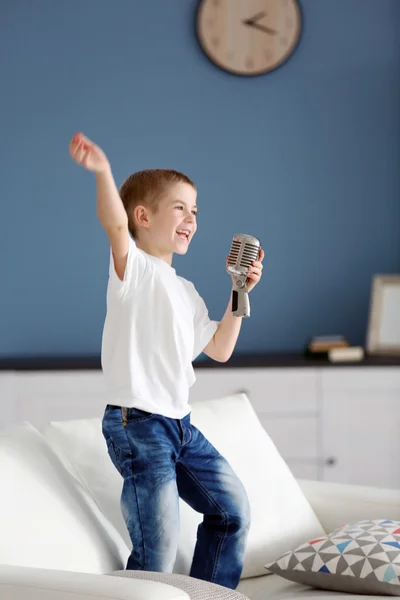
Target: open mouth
column 183, row 234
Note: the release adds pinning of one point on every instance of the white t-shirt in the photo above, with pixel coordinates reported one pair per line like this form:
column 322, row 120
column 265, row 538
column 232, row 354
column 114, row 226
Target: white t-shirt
column 156, row 325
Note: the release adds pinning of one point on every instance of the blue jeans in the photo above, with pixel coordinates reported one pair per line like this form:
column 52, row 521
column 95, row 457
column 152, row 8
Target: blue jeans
column 160, row 460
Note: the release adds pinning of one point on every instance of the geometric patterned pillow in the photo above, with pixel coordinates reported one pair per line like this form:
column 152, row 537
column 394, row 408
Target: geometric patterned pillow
column 360, row 558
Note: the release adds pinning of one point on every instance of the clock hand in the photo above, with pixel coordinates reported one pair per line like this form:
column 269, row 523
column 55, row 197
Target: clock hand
column 252, row 22
column 263, row 28
column 256, row 17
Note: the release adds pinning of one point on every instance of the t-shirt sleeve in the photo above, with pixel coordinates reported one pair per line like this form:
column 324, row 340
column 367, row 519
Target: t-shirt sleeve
column 204, row 327
column 135, row 266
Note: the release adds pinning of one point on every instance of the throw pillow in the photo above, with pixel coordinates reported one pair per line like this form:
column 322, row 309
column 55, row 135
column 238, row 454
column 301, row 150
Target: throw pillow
column 360, row 558
column 48, row 520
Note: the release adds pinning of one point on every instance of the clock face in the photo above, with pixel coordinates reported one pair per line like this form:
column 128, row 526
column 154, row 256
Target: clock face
column 248, row 37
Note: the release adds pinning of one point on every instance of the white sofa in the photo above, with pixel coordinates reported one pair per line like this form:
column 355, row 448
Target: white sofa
column 62, row 533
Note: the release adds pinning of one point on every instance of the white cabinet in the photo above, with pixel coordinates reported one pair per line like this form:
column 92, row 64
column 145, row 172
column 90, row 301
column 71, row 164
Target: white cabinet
column 271, row 390
column 42, row 396
column 334, row 423
column 8, row 381
column 361, row 426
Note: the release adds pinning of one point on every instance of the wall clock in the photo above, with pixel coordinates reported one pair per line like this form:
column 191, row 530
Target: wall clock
column 248, row 37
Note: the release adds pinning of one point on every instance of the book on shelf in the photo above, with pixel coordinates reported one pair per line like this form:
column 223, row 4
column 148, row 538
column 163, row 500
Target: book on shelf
column 322, row 344
column 350, row 354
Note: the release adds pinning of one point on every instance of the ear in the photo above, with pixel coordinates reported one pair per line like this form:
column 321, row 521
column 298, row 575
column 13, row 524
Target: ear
column 141, row 215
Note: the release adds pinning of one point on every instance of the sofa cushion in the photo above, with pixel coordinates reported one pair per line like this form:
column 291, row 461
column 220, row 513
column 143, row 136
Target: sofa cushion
column 82, row 448
column 47, row 518
column 361, row 557
column 25, row 583
column 281, row 515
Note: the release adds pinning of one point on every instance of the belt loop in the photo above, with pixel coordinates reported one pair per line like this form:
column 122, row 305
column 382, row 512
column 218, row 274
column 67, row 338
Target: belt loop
column 124, row 414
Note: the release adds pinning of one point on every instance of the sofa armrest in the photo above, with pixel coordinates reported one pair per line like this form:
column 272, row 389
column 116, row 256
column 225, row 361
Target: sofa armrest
column 336, row 504
column 25, row 583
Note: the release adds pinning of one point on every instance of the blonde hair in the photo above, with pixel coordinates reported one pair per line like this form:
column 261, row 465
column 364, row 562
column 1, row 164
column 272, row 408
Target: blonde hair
column 146, row 188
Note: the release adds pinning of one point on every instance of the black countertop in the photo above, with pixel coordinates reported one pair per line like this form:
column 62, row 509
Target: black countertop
column 70, row 363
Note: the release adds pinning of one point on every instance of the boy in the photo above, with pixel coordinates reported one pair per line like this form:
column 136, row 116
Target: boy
column 156, row 325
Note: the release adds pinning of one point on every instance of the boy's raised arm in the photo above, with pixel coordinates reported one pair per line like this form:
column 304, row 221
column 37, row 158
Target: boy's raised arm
column 110, row 210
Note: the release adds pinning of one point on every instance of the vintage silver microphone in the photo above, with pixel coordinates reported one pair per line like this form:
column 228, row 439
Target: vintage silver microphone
column 244, row 250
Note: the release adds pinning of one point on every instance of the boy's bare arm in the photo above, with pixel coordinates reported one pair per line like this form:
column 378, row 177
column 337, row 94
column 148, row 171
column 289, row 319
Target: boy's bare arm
column 113, row 217
column 223, row 342
column 110, row 210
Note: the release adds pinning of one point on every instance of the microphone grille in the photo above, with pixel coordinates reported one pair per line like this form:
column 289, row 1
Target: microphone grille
column 249, row 254
column 234, row 253
column 242, row 252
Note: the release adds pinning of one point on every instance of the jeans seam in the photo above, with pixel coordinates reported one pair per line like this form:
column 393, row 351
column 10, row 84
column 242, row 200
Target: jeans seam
column 223, row 513
column 219, row 550
column 116, row 454
column 132, row 476
column 189, row 440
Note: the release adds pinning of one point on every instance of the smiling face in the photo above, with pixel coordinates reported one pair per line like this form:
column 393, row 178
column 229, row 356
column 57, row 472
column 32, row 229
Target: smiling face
column 171, row 227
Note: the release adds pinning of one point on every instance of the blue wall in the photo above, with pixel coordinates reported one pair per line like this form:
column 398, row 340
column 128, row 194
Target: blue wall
column 306, row 158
